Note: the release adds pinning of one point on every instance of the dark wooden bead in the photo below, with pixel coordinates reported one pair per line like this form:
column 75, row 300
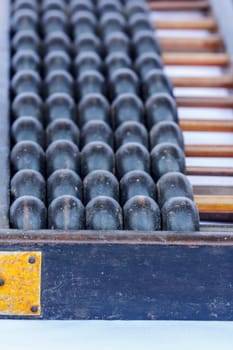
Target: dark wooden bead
column 144, row 42
column 27, row 155
column 166, row 132
column 123, row 81
column 26, row 81
column 127, row 107
column 24, row 19
column 147, row 62
column 64, row 182
column 132, row 156
column 96, row 130
column 62, row 129
column 136, row 183
column 57, row 41
column 26, row 40
column 100, row 183
column 156, row 82
column 112, row 22
column 117, row 42
column 131, row 132
column 136, row 6
column 66, row 213
column 24, row 60
column 62, row 154
column 28, row 213
column 83, row 22
column 88, row 42
column 90, row 82
column 54, row 21
column 166, row 157
column 171, row 185
column 180, row 214
column 28, row 104
column 141, row 213
column 28, row 183
column 87, row 61
column 93, row 107
column 27, row 129
column 160, row 107
column 59, row 81
column 60, row 106
column 105, row 6
column 103, row 213
column 117, row 60
column 140, row 22
column 57, row 60
column 97, row 156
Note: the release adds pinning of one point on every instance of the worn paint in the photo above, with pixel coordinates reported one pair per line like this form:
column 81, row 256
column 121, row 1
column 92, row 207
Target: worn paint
column 20, row 287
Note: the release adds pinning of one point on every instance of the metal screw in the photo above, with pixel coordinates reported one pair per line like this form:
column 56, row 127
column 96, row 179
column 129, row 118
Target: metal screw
column 2, row 282
column 34, row 309
column 32, row 260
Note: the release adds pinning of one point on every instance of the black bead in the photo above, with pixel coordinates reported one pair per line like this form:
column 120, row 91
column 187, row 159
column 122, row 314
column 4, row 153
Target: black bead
column 136, row 183
column 93, row 107
column 117, row 60
column 88, row 42
column 54, row 21
column 141, row 213
column 156, row 82
column 26, row 40
column 83, row 22
column 147, row 62
column 171, row 185
column 24, row 19
column 28, row 213
column 123, row 81
column 103, row 213
column 57, row 41
column 57, row 60
column 26, row 59
column 97, row 156
column 66, row 213
column 100, row 183
column 166, row 157
column 59, row 81
column 62, row 154
column 144, row 42
column 139, row 22
column 131, row 132
column 180, row 214
column 60, row 106
column 166, row 132
column 96, row 130
column 28, row 104
column 136, row 6
column 90, row 82
column 117, row 42
column 132, row 156
column 112, row 22
column 87, row 61
column 64, row 182
column 26, row 81
column 28, row 183
column 105, row 6
column 27, row 129
column 127, row 107
column 62, row 129
column 27, row 155
column 160, row 107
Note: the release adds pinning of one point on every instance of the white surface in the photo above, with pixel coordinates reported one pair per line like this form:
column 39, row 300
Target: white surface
column 115, row 335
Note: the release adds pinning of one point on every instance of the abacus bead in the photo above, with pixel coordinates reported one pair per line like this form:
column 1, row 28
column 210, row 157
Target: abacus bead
column 97, row 156
column 86, row 62
column 28, row 103
column 180, row 214
column 60, row 106
column 147, row 62
column 131, row 132
column 100, row 183
column 156, row 82
column 171, row 185
column 136, row 183
column 28, row 213
column 62, row 129
column 144, row 42
column 87, row 42
column 81, row 5
column 133, row 7
column 62, row 154
column 83, row 22
column 139, row 22
column 26, row 59
column 90, row 82
column 54, row 21
column 103, row 213
column 117, row 42
column 141, row 213
column 93, row 107
column 96, row 130
column 160, row 107
column 66, row 213
column 64, row 182
column 112, row 22
column 24, row 4
column 28, row 183
column 59, row 81
column 26, row 40
column 57, row 41
column 26, row 81
column 166, row 157
column 117, row 60
column 127, row 107
column 166, row 132
column 27, row 129
column 105, row 6
column 24, row 19
column 124, row 81
column 27, row 155
column 132, row 156
column 48, row 5
column 57, row 60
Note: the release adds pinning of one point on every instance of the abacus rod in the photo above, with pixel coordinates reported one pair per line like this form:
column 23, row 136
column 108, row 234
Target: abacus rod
column 222, row 81
column 206, row 125
column 225, row 151
column 178, row 5
column 208, row 23
column 195, row 59
column 211, row 43
column 205, row 102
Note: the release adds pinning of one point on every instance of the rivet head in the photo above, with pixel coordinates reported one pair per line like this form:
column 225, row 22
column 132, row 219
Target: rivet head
column 34, row 309
column 2, row 282
column 32, row 260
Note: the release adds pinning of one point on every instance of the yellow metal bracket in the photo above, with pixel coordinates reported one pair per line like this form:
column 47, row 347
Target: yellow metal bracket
column 20, row 283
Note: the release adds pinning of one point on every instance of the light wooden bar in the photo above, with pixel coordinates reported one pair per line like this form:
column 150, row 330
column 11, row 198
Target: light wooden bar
column 196, row 59
column 206, row 102
column 211, row 43
column 208, row 23
column 179, row 5
column 206, row 125
column 211, row 171
column 218, row 204
column 222, row 81
column 225, row 151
